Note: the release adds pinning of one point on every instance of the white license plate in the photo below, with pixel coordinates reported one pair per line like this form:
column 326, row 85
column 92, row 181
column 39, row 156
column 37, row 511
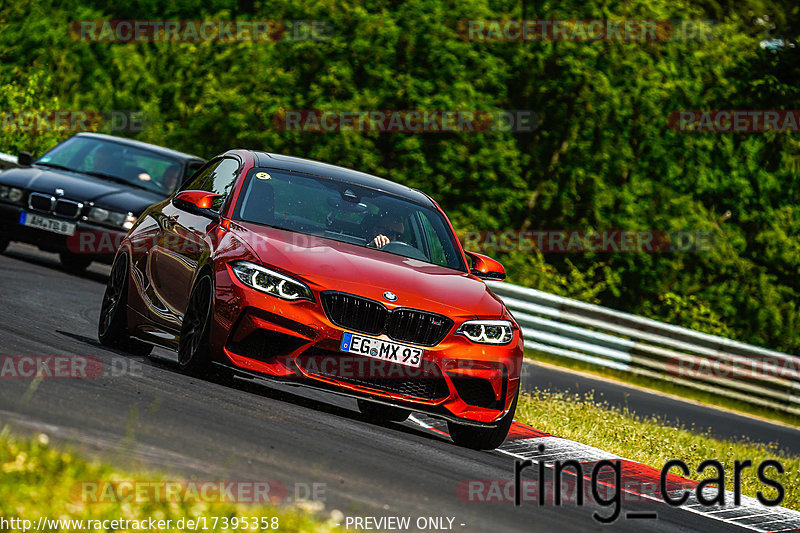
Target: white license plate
column 381, row 349
column 48, row 224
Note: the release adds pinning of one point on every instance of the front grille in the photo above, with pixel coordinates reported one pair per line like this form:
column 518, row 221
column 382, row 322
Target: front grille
column 423, row 383
column 67, row 208
column 354, row 312
column 52, row 206
column 368, row 316
column 41, row 202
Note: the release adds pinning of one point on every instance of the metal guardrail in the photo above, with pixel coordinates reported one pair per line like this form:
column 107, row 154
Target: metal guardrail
column 645, row 347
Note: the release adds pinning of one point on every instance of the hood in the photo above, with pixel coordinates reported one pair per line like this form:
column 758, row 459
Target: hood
column 333, row 265
column 82, row 188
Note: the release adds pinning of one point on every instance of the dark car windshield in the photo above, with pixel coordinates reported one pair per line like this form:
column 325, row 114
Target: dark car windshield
column 117, row 162
column 348, row 213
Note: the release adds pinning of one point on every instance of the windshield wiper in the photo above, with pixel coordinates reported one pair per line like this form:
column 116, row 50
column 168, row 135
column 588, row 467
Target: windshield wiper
column 115, row 179
column 53, row 165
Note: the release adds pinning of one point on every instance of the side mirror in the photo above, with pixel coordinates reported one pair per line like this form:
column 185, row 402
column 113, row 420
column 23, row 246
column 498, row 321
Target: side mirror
column 197, row 202
column 485, row 267
column 25, row 159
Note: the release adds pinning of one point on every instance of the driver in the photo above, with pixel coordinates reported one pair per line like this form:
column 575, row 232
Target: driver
column 386, row 229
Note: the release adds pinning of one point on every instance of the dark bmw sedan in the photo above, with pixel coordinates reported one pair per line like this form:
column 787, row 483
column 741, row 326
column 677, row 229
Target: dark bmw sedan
column 81, row 197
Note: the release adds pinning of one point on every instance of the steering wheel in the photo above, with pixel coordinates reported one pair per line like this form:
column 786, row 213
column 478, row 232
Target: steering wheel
column 404, row 249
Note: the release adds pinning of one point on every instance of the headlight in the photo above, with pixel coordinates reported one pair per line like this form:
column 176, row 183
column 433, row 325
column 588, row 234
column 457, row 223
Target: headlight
column 11, row 194
column 274, row 283
column 113, row 218
column 487, row 331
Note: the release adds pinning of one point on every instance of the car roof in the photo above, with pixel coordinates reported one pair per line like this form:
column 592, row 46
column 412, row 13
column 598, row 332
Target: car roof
column 143, row 145
column 309, row 166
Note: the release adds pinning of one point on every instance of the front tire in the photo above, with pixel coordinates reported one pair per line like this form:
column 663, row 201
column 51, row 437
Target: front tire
column 478, row 438
column 112, row 328
column 193, row 352
column 4, row 240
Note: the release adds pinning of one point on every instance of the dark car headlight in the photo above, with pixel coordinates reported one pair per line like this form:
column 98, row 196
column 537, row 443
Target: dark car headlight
column 271, row 282
column 12, row 194
column 487, row 331
column 111, row 218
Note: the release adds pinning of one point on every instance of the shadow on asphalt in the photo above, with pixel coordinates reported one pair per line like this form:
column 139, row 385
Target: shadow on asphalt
column 265, row 390
column 54, row 264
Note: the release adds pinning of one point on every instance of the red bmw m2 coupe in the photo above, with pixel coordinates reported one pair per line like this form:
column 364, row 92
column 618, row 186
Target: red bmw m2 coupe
column 271, row 266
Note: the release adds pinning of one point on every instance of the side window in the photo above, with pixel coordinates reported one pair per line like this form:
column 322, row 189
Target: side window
column 221, row 180
column 218, row 177
column 191, row 168
column 197, row 181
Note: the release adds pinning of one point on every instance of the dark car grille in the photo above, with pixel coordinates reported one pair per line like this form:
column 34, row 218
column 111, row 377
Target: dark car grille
column 40, row 202
column 67, row 208
column 423, row 384
column 371, row 317
column 477, row 391
column 60, row 207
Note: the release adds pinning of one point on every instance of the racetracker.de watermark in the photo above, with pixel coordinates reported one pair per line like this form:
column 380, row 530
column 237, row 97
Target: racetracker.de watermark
column 744, row 368
column 587, row 241
column 405, row 121
column 735, row 121
column 73, row 120
column 224, row 31
column 141, row 491
column 585, row 30
column 67, row 367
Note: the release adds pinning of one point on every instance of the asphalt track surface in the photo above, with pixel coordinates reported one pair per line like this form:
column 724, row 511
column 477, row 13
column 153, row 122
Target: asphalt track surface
column 148, row 414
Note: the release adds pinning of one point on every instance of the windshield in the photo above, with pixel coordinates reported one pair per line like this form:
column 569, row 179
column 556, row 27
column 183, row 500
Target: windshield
column 348, row 213
column 117, row 162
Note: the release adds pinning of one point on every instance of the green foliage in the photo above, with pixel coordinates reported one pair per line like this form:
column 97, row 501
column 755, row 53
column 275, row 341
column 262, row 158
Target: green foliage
column 39, row 480
column 602, row 157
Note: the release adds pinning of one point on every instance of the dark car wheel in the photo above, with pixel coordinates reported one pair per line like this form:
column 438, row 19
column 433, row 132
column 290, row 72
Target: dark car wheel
column 112, row 329
column 4, row 243
column 479, row 438
column 382, row 413
column 74, row 263
column 193, row 353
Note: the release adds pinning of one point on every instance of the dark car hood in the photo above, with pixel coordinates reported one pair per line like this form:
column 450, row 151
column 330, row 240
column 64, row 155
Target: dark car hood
column 369, row 272
column 82, row 188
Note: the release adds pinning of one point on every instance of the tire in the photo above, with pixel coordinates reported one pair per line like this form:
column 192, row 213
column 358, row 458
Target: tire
column 382, row 413
column 112, row 328
column 74, row 264
column 478, row 438
column 193, row 353
column 4, row 240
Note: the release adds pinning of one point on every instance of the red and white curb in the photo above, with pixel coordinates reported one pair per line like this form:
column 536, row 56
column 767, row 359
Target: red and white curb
column 524, row 443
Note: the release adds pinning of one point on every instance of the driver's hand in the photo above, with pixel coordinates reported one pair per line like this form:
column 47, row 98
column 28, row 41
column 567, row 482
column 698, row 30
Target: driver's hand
column 379, row 242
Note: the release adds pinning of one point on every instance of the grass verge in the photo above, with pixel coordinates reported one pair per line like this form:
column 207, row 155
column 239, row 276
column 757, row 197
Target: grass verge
column 37, row 480
column 653, row 442
column 667, row 387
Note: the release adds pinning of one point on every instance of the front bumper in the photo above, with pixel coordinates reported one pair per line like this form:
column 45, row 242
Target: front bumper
column 92, row 241
column 295, row 341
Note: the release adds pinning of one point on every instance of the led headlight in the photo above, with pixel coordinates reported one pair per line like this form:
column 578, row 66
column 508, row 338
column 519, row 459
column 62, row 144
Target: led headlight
column 487, row 331
column 11, row 194
column 274, row 283
column 113, row 218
